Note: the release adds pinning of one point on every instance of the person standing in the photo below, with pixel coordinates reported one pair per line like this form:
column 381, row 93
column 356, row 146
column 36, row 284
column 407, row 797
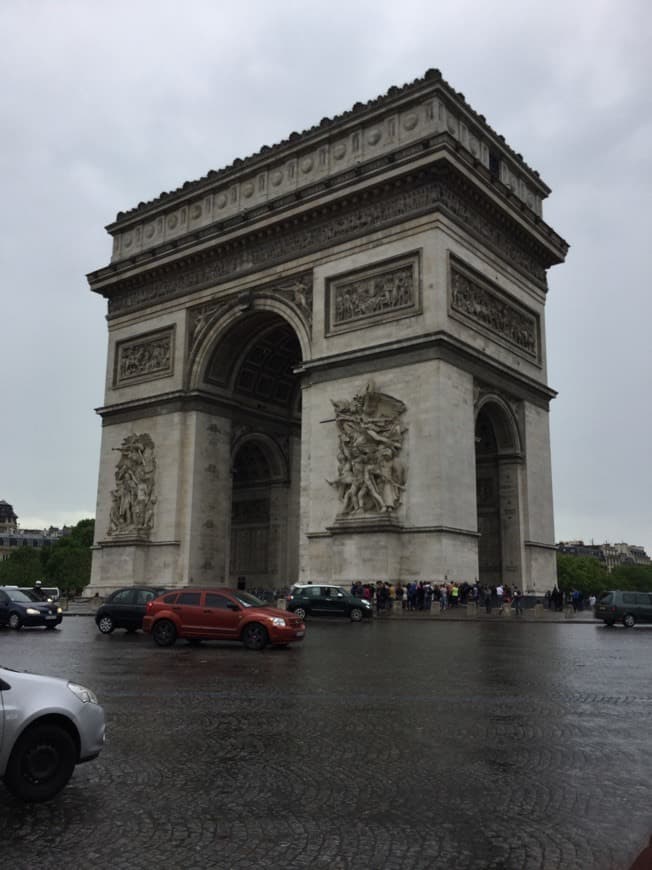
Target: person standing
column 518, row 602
column 500, row 591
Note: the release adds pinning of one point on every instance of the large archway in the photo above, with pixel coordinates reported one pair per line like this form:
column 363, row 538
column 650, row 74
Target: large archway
column 498, row 463
column 253, row 364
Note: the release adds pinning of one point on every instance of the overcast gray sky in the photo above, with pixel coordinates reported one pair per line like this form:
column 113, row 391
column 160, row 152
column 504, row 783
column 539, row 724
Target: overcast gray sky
column 105, row 105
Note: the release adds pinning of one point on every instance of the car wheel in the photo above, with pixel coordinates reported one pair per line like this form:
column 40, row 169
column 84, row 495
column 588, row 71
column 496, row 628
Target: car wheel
column 300, row 612
column 355, row 614
column 105, row 624
column 629, row 621
column 41, row 763
column 164, row 632
column 255, row 636
column 15, row 621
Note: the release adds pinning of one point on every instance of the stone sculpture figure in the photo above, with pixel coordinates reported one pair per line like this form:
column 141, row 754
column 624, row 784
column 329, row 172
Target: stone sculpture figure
column 370, row 477
column 133, row 500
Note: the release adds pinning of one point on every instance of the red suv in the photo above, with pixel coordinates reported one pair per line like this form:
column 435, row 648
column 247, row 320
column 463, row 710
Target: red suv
column 219, row 614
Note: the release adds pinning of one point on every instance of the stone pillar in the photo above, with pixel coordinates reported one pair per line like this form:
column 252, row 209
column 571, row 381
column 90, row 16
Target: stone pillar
column 205, row 499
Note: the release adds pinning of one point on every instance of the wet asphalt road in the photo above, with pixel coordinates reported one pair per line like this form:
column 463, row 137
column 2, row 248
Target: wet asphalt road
column 401, row 745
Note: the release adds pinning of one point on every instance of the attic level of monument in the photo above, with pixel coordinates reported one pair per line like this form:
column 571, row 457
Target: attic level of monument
column 400, row 130
column 328, row 362
column 256, row 241
column 360, row 113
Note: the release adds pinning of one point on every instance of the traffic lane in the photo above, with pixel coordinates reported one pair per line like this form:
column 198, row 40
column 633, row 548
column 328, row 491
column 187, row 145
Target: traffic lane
column 372, row 745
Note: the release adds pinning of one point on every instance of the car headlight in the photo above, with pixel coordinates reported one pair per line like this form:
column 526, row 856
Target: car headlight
column 366, row 604
column 59, row 610
column 32, row 611
column 278, row 620
column 85, row 695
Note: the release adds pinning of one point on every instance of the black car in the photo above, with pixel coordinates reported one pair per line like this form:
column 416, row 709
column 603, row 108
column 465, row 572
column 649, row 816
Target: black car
column 17, row 609
column 125, row 608
column 318, row 600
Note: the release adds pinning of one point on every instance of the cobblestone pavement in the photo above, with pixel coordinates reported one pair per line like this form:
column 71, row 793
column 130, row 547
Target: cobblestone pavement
column 399, row 744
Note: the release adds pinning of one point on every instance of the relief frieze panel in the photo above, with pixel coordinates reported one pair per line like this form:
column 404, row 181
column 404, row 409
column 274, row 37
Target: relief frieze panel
column 144, row 358
column 371, row 478
column 226, row 262
column 133, row 499
column 476, row 300
column 385, row 292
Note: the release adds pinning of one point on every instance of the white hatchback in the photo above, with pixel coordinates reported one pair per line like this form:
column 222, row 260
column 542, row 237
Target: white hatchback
column 47, row 726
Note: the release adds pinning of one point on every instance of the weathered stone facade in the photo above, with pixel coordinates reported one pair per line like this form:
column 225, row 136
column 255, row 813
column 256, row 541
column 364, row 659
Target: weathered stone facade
column 334, row 352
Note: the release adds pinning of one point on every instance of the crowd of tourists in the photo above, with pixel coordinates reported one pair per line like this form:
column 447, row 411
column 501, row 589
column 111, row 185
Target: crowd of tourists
column 425, row 595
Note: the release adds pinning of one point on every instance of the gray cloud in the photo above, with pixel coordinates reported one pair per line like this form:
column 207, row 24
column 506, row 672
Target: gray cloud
column 108, row 105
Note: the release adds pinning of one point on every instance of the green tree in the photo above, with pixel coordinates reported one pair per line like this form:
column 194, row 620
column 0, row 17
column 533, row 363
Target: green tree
column 638, row 577
column 583, row 573
column 23, row 567
column 68, row 564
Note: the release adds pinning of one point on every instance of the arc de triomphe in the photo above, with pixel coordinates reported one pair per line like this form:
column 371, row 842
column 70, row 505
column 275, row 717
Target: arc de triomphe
column 328, row 361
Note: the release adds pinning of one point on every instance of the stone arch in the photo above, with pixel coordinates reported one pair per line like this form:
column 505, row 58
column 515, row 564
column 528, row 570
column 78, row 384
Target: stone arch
column 239, row 318
column 278, row 470
column 504, row 423
column 244, row 364
column 499, row 474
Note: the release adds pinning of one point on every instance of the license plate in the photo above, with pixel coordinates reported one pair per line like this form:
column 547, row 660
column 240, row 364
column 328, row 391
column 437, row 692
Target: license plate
column 300, row 633
column 50, row 617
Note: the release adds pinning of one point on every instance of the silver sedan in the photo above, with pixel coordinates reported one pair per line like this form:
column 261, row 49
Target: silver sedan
column 47, row 726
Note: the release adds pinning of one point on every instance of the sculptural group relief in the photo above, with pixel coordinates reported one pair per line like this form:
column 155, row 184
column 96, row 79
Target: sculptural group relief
column 487, row 307
column 133, row 499
column 370, row 476
column 381, row 293
column 144, row 357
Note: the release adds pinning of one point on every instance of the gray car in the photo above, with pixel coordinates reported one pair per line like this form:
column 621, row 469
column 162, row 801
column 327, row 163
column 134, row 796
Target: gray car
column 47, row 726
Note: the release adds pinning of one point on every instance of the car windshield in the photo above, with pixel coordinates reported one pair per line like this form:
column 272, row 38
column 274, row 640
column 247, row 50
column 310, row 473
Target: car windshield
column 19, row 597
column 248, row 600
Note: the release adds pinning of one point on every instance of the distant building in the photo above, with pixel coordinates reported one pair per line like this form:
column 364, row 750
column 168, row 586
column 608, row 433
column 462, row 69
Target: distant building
column 610, row 555
column 8, row 519
column 11, row 536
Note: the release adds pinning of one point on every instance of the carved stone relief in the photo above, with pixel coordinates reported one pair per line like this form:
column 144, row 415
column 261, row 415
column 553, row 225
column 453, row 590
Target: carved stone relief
column 133, row 499
column 478, row 301
column 296, row 290
column 145, row 357
column 370, row 476
column 226, row 262
column 384, row 292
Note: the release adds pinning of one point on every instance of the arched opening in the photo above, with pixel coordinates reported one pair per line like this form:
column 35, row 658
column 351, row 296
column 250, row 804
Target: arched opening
column 498, row 460
column 252, row 367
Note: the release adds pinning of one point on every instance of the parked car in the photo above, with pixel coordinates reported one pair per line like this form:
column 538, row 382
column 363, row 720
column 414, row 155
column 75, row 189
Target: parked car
column 318, row 600
column 626, row 607
column 125, row 608
column 17, row 609
column 47, row 726
column 220, row 614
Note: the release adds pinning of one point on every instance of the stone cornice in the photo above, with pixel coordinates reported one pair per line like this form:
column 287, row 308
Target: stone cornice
column 360, row 362
column 438, row 345
column 440, row 188
column 427, row 106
